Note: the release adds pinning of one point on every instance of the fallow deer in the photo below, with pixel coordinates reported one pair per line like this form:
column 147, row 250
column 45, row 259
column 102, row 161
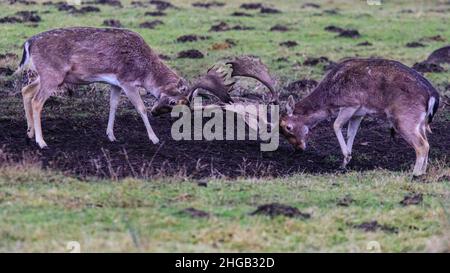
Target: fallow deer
column 119, row 57
column 356, row 88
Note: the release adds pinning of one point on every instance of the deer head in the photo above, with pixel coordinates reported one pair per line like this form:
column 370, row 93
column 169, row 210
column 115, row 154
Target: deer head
column 213, row 81
column 291, row 126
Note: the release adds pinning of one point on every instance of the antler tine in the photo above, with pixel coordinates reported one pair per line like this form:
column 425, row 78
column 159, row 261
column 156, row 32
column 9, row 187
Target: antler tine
column 215, row 82
column 254, row 68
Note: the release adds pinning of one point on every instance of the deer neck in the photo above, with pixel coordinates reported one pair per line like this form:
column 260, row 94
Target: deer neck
column 162, row 80
column 314, row 108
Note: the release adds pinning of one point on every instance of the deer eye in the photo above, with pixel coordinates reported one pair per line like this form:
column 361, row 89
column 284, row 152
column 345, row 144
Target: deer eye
column 289, row 127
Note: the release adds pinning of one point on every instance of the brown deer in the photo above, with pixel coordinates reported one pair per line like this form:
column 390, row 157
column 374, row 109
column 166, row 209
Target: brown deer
column 356, row 88
column 119, row 57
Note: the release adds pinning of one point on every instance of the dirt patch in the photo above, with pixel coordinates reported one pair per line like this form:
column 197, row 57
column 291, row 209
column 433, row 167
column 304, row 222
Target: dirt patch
column 138, row 4
column 22, row 2
column 275, row 209
column 345, row 33
column 195, row 213
column 282, row 60
column 331, row 11
column 190, row 54
column 439, row 56
column 436, row 38
column 412, row 199
column 414, row 45
column 191, row 38
column 366, row 43
column 113, row 3
column 161, row 5
column 374, row 226
column 21, row 17
column 151, row 24
column 155, row 13
column 78, row 145
column 208, row 5
column 266, row 10
column 6, row 71
column 62, row 6
column 280, row 28
column 345, row 201
column 312, row 61
column 112, row 23
column 241, row 14
column 301, row 85
column 311, row 5
column 164, row 57
column 227, row 44
column 86, row 9
column 223, row 26
column 8, row 56
column 289, row 44
column 333, row 28
column 349, row 33
column 251, row 6
column 428, row 67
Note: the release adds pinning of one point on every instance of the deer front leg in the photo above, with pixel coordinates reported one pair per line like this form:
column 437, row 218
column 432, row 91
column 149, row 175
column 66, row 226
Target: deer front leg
column 113, row 104
column 343, row 117
column 135, row 98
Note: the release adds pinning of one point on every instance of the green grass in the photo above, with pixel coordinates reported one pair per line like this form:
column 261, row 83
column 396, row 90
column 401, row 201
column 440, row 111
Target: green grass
column 42, row 210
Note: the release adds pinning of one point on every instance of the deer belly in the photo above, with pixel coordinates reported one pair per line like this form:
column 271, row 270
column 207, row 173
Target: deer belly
column 363, row 111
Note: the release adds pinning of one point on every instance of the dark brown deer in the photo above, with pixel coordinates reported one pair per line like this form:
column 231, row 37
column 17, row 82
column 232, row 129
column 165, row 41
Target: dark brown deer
column 119, row 57
column 356, row 88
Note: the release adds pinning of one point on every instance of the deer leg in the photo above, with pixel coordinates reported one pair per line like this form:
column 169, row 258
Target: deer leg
column 352, row 129
column 37, row 103
column 423, row 133
column 414, row 133
column 135, row 98
column 113, row 104
column 345, row 114
column 27, row 94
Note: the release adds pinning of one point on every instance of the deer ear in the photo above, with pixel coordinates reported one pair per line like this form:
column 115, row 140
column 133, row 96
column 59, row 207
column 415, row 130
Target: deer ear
column 290, row 105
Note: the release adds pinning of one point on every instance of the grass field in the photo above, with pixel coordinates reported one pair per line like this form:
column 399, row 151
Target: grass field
column 43, row 207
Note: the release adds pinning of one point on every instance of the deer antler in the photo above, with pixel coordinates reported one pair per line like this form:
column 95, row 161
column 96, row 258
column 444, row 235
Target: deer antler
column 256, row 69
column 214, row 82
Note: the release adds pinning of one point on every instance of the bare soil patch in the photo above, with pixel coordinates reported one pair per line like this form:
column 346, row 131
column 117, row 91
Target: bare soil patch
column 275, row 209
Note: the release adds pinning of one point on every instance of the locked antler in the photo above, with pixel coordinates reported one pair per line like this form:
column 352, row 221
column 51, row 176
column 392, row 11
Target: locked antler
column 213, row 81
column 256, row 69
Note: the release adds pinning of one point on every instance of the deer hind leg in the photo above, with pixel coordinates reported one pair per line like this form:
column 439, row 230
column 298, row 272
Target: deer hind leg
column 352, row 129
column 135, row 98
column 413, row 132
column 28, row 93
column 37, row 103
column 345, row 114
column 113, row 104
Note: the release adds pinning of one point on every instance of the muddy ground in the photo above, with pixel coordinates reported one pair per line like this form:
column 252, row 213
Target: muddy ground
column 78, row 145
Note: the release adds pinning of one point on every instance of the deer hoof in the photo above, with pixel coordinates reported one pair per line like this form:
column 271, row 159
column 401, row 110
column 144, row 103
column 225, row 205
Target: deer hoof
column 419, row 178
column 155, row 141
column 111, row 137
column 347, row 159
column 43, row 146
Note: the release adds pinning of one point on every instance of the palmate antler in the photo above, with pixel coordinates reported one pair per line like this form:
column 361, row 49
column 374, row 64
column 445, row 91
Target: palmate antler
column 213, row 81
column 254, row 68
